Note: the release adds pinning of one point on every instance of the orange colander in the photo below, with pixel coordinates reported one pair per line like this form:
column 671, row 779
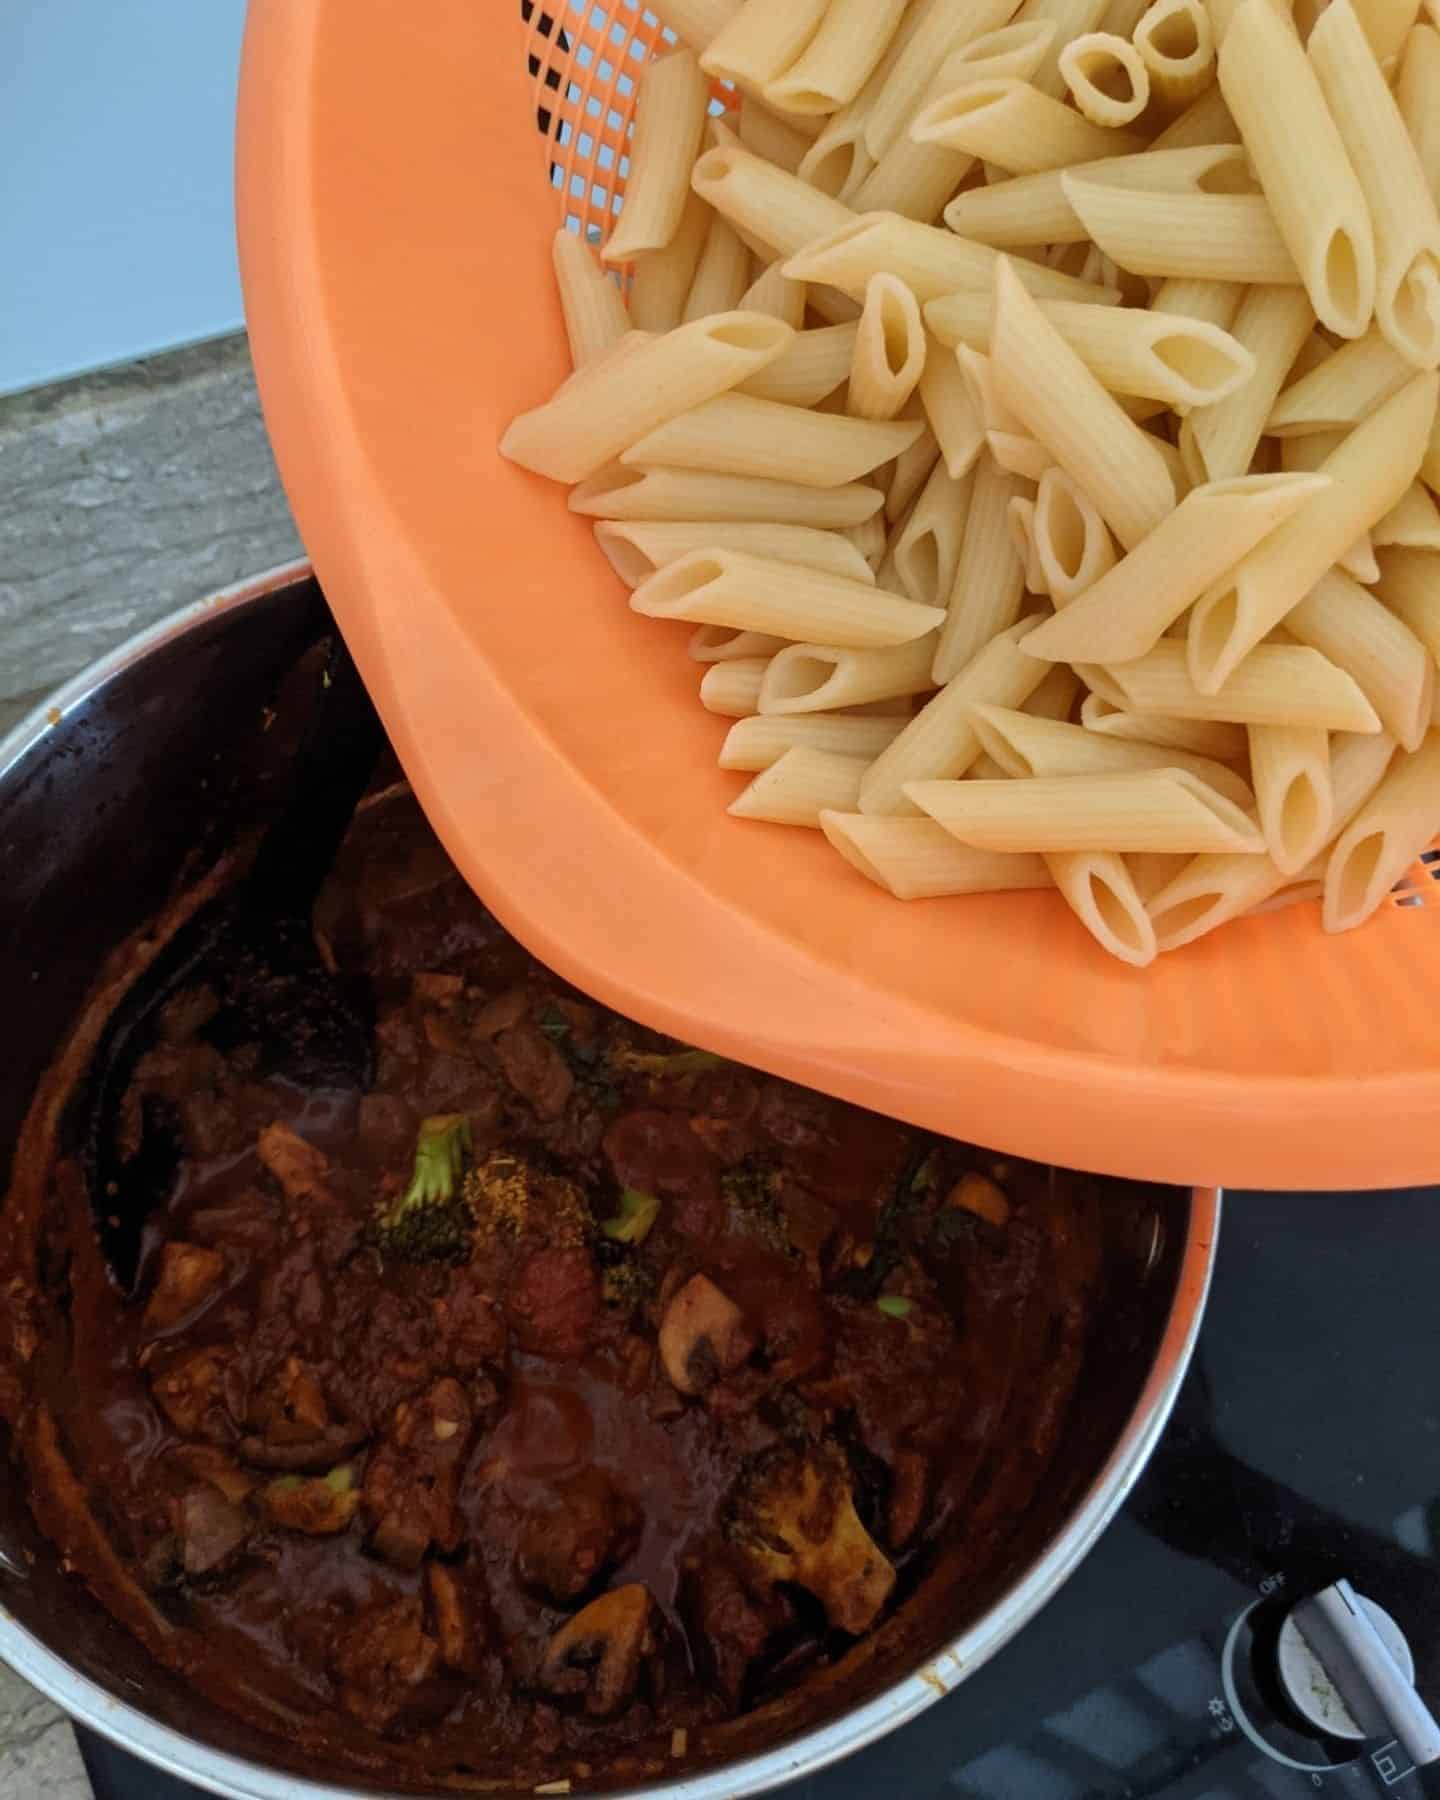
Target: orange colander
column 402, row 171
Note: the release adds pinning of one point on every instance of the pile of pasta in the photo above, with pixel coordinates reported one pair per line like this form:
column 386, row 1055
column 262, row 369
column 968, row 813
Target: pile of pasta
column 1034, row 411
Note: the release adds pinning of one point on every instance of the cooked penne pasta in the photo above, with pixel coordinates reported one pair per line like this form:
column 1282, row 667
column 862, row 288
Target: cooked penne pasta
column 797, row 788
column 1142, row 810
column 755, row 743
column 951, row 407
column 1389, row 664
column 592, row 305
column 916, row 859
column 909, row 472
column 1176, row 42
column 940, row 741
column 669, row 120
column 1413, row 524
column 1402, row 209
column 1071, row 19
column 636, row 550
column 1359, row 561
column 1387, row 24
column 1271, row 324
column 732, row 689
column 699, row 22
column 1019, row 128
column 718, row 643
column 1276, row 684
column 871, row 540
column 1202, row 737
column 738, row 435
column 1206, row 120
column 1099, row 889
column 761, row 42
column 1342, row 390
column 1209, row 237
column 1018, row 454
column 1396, row 823
column 889, row 350
column 1290, row 765
column 753, row 593
column 662, row 279
column 840, row 58
column 1020, row 519
column 685, row 494
column 766, row 135
column 1416, row 89
column 1065, row 408
column 838, row 163
column 927, row 549
column 1151, row 870
column 722, row 274
column 1129, row 610
column 810, row 368
column 1410, row 587
column 1072, row 542
column 978, row 373
column 1216, row 302
column 621, row 397
column 1107, row 79
column 1369, row 472
column 944, row 26
column 1055, row 697
column 1025, row 747
column 1159, row 356
column 1122, row 16
column 1303, row 164
column 770, row 205
column 815, row 678
column 985, row 597
column 930, row 262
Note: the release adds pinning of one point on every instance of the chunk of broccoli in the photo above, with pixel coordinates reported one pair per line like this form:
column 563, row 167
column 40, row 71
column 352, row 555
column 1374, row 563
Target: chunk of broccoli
column 432, row 1221
column 635, row 1220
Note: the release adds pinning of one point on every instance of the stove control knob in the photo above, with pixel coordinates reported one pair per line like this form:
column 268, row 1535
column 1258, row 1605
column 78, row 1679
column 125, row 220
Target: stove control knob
column 1347, row 1669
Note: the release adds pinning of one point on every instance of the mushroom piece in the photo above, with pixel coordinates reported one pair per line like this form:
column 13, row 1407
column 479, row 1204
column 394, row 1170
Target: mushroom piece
column 702, row 1336
column 211, row 1530
column 189, row 1275
column 598, row 1652
column 794, row 1517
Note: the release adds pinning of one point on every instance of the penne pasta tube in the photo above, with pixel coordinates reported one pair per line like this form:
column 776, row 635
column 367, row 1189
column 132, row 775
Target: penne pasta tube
column 841, row 57
column 1020, row 521
column 815, row 678
column 721, row 276
column 1072, row 542
column 1129, row 609
column 753, row 593
column 809, row 369
column 1018, row 454
column 927, row 550
column 952, row 410
column 984, row 769
column 1071, row 19
column 1202, row 737
column 1206, row 120
column 1151, row 870
column 889, row 350
column 772, row 294
column 1055, row 696
column 930, row 262
column 1290, row 765
column 1303, row 164
column 940, row 741
column 732, row 689
column 945, row 26
column 916, row 859
column 1216, row 302
column 760, row 199
column 738, row 435
column 1388, row 663
column 1026, row 747
column 989, row 584
column 1099, row 889
column 1159, row 356
column 1106, row 77
column 1369, row 472
column 910, row 471
column 1342, row 390
column 761, row 42
column 1359, row 561
column 755, row 743
column 1276, row 684
column 1143, row 810
column 1013, row 124
column 1402, row 209
column 623, row 396
column 1122, row 16
column 1430, row 468
column 669, row 119
column 592, row 305
column 1386, row 24
column 1388, row 833
column 636, row 550
column 797, row 788
column 766, row 135
column 1413, row 523
column 717, row 644
column 978, row 373
column 1210, row 237
column 699, row 22
column 838, row 163
column 1416, row 89
column 662, row 279
column 1176, row 43
column 1067, row 410
column 871, row 541
column 1410, row 587
column 686, row 494
column 1271, row 324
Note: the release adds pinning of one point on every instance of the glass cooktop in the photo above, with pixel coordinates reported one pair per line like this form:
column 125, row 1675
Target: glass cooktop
column 1304, row 1450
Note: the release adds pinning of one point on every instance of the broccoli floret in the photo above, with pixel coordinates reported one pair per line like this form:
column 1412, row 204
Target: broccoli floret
column 633, row 1223
column 432, row 1220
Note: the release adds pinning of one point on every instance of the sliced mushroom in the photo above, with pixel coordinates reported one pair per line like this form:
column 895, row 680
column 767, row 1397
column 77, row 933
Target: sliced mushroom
column 598, row 1653
column 702, row 1336
column 211, row 1530
column 189, row 1275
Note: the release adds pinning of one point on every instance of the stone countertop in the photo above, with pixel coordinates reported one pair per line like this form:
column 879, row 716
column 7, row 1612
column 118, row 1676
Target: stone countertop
column 123, row 496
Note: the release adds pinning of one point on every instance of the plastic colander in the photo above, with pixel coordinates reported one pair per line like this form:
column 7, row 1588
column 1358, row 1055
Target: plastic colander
column 402, row 171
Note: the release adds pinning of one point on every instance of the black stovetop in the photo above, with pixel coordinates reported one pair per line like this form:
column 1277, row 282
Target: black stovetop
column 1305, row 1447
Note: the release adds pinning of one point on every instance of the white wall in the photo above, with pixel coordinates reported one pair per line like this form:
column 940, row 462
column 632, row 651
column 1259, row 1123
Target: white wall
column 116, row 226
